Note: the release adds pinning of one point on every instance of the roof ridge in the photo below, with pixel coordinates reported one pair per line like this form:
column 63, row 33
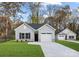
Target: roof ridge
column 35, row 26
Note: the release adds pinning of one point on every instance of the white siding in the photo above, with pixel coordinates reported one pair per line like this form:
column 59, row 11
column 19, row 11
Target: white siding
column 27, row 29
column 71, row 35
column 68, row 33
column 46, row 29
column 61, row 37
column 24, row 29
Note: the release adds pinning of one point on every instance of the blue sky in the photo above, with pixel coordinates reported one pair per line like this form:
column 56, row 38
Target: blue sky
column 73, row 5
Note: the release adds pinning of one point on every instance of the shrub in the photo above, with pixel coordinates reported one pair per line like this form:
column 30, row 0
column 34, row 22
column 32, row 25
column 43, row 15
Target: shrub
column 78, row 38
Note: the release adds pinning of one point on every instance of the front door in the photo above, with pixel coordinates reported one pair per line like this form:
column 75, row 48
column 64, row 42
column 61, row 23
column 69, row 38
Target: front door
column 66, row 37
column 36, row 36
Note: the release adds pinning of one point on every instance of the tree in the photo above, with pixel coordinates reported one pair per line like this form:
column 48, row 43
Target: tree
column 2, row 28
column 72, row 23
column 10, row 9
column 51, row 9
column 61, row 14
column 7, row 10
column 34, row 7
column 5, row 25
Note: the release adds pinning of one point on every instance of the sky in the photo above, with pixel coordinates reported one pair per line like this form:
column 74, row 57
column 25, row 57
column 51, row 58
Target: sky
column 73, row 5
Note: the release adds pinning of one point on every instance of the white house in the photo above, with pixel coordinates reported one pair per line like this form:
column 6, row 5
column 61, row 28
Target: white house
column 35, row 32
column 66, row 34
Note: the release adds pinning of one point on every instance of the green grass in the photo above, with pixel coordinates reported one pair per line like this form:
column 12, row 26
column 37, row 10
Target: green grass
column 19, row 49
column 72, row 45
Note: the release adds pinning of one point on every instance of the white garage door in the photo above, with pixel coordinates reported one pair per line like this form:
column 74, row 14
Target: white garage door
column 61, row 37
column 46, row 37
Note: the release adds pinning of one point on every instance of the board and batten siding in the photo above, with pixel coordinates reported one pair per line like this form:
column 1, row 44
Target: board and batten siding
column 24, row 29
column 46, row 29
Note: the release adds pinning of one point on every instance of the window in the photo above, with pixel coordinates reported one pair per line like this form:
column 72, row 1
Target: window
column 61, row 35
column 71, row 37
column 24, row 35
column 21, row 35
column 27, row 35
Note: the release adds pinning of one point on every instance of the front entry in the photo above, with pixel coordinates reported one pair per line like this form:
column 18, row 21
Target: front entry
column 36, row 36
column 66, row 37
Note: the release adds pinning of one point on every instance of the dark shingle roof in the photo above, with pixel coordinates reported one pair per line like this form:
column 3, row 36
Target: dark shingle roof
column 36, row 26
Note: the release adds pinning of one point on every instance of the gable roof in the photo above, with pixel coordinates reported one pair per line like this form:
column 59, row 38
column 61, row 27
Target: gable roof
column 36, row 26
column 24, row 25
column 66, row 32
column 48, row 26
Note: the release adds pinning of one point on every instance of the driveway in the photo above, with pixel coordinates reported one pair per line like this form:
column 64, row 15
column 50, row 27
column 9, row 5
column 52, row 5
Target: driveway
column 52, row 49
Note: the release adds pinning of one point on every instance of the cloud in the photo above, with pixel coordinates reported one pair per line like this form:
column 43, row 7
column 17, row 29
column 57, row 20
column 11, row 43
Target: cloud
column 45, row 16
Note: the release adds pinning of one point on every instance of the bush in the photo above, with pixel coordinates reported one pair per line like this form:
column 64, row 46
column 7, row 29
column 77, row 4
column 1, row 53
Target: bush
column 78, row 38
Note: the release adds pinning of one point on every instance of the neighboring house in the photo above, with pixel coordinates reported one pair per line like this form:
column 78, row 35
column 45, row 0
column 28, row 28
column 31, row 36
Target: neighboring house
column 66, row 34
column 35, row 32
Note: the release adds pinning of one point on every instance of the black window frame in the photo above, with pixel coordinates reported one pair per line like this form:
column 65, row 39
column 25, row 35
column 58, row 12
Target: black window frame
column 71, row 37
column 27, row 35
column 20, row 36
column 24, row 35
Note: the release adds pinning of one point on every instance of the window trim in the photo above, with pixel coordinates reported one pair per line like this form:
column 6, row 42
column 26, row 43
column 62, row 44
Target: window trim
column 71, row 37
column 27, row 35
column 24, row 35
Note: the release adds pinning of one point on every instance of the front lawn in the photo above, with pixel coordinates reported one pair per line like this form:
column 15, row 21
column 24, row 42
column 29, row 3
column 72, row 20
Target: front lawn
column 20, row 49
column 72, row 45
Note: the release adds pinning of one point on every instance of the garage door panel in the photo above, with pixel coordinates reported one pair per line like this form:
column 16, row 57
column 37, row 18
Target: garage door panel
column 61, row 37
column 46, row 33
column 46, row 37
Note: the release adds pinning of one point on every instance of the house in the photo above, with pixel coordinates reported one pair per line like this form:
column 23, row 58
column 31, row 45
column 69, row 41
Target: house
column 66, row 34
column 35, row 32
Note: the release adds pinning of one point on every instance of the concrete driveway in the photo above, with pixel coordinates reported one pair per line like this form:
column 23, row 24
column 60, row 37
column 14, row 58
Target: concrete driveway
column 52, row 49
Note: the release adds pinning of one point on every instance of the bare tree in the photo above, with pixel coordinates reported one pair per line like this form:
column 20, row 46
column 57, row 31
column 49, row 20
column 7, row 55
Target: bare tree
column 5, row 25
column 7, row 10
column 61, row 14
column 51, row 9
column 10, row 9
column 34, row 7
